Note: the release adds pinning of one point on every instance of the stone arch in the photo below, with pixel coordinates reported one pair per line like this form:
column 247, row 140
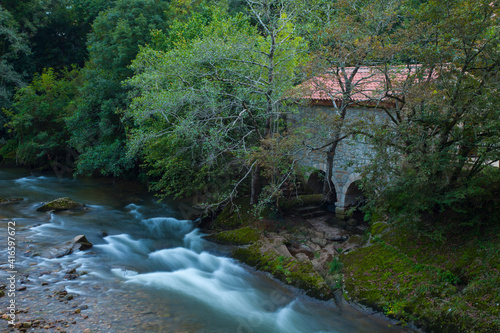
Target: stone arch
column 320, row 167
column 354, row 196
column 315, row 179
column 348, row 193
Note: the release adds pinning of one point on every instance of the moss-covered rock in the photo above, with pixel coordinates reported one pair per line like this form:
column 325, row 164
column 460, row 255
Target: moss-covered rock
column 60, row 205
column 301, row 200
column 378, row 228
column 289, row 270
column 357, row 240
column 241, row 236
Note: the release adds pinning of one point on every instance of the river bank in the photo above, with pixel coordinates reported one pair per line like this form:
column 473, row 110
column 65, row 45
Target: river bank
column 449, row 286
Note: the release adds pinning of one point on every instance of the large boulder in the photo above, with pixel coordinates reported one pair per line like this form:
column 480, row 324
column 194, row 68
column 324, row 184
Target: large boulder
column 60, row 204
column 79, row 243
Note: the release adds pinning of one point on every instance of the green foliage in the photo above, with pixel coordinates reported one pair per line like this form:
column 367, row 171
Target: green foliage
column 40, row 34
column 37, row 120
column 335, row 266
column 444, row 129
column 13, row 44
column 98, row 131
column 237, row 214
column 61, row 40
column 213, row 87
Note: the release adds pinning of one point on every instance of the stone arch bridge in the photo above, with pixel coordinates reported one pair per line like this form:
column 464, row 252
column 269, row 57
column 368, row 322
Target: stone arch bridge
column 352, row 154
column 324, row 95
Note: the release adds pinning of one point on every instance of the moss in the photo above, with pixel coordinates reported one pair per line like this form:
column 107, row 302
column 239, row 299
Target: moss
column 378, row 228
column 241, row 236
column 357, row 240
column 236, row 215
column 301, row 200
column 446, row 287
column 288, row 270
column 59, row 205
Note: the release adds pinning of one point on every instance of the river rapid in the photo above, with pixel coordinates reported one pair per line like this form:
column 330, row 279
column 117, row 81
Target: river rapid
column 148, row 271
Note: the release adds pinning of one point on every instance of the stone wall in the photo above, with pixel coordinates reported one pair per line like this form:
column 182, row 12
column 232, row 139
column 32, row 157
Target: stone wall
column 352, row 153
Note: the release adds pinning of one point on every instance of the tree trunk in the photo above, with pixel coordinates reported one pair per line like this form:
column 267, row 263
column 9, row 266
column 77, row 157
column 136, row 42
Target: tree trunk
column 328, row 186
column 255, row 187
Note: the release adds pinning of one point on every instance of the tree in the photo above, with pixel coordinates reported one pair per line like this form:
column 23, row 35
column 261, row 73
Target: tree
column 13, row 44
column 37, row 121
column 445, row 131
column 61, row 41
column 217, row 98
column 41, row 34
column 98, row 133
column 346, row 37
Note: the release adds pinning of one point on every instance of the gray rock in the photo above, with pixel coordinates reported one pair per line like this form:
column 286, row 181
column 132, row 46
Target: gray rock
column 79, row 243
column 304, row 249
column 319, row 241
column 302, row 257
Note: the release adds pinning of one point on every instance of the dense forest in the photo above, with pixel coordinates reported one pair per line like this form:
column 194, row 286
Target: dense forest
column 193, row 98
column 200, row 100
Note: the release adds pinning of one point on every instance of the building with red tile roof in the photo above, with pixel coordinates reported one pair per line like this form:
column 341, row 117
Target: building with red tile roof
column 362, row 86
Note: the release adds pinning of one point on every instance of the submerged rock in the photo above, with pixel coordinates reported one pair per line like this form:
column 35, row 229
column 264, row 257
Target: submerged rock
column 79, row 243
column 5, row 201
column 60, row 205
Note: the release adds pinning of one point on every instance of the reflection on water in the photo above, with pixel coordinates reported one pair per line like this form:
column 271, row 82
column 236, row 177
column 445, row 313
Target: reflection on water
column 150, row 271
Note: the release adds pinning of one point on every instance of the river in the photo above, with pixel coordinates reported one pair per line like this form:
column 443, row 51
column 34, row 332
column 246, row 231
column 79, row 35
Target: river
column 148, row 271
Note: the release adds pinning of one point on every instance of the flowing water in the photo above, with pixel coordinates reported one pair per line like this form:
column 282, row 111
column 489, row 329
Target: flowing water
column 149, row 270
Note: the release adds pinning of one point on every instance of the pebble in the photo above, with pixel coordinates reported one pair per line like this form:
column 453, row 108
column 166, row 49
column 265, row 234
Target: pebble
column 21, row 288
